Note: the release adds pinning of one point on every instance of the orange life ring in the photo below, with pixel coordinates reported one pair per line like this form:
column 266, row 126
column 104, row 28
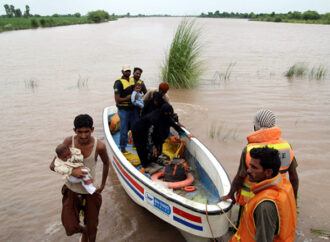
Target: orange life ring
column 174, row 185
column 190, row 188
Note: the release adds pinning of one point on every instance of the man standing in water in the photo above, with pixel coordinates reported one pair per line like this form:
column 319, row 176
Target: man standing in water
column 266, row 134
column 137, row 72
column 75, row 197
column 271, row 214
column 123, row 88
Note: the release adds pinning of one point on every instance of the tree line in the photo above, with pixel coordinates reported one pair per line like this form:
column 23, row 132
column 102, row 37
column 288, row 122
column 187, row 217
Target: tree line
column 11, row 11
column 308, row 16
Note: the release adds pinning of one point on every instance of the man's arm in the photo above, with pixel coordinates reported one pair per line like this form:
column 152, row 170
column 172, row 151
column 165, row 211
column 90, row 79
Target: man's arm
column 293, row 176
column 266, row 221
column 105, row 159
column 238, row 179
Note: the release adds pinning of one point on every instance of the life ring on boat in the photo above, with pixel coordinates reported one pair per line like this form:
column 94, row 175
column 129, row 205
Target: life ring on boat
column 189, row 188
column 174, row 185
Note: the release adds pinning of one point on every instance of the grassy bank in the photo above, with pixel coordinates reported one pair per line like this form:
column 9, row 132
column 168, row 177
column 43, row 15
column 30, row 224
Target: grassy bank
column 8, row 24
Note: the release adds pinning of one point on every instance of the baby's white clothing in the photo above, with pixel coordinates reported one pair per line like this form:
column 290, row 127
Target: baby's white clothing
column 65, row 168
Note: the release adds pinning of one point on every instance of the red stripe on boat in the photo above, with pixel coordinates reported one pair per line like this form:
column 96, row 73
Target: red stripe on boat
column 187, row 215
column 137, row 186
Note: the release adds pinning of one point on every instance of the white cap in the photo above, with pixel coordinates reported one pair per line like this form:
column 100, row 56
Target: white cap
column 126, row 68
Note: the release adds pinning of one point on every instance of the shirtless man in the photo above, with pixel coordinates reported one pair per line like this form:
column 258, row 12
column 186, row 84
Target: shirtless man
column 73, row 193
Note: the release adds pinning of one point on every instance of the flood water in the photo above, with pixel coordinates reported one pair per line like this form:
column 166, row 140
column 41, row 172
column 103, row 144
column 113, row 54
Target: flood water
column 40, row 72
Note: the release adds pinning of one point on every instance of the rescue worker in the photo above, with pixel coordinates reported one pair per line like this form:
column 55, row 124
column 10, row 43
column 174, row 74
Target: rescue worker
column 271, row 214
column 266, row 133
column 123, row 89
column 137, row 72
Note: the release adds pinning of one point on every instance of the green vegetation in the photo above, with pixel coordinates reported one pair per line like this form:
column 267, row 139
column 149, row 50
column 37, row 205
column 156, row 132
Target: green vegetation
column 222, row 133
column 300, row 70
column 98, row 16
column 226, row 75
column 82, row 82
column 31, row 84
column 14, row 20
column 297, row 70
column 309, row 17
column 182, row 67
column 321, row 232
column 317, row 73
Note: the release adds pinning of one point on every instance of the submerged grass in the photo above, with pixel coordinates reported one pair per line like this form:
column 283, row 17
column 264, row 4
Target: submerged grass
column 317, row 73
column 183, row 67
column 225, row 75
column 82, row 82
column 222, row 133
column 31, row 84
column 298, row 70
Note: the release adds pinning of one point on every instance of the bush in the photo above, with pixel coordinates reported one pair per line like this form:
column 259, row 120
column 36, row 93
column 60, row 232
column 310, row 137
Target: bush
column 98, row 16
column 313, row 15
column 278, row 19
column 34, row 23
column 77, row 15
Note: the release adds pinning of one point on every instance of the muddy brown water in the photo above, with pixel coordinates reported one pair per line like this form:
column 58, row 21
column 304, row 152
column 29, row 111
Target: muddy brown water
column 39, row 75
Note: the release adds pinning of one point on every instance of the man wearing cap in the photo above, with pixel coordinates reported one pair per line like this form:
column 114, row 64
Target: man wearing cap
column 266, row 134
column 137, row 72
column 123, row 89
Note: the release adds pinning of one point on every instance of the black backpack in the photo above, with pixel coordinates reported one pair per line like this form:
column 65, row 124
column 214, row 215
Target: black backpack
column 176, row 170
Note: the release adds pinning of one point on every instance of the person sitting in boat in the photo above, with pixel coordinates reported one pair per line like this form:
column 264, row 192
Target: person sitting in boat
column 162, row 89
column 154, row 103
column 150, row 132
column 69, row 158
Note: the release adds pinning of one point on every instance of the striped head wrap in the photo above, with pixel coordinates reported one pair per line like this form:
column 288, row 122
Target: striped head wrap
column 264, row 119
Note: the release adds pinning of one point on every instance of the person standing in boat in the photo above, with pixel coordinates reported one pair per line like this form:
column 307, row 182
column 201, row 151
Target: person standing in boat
column 150, row 132
column 123, row 89
column 266, row 134
column 152, row 104
column 75, row 197
column 162, row 89
column 271, row 214
column 137, row 72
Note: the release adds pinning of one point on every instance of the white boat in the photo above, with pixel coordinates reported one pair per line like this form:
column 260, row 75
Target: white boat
column 197, row 221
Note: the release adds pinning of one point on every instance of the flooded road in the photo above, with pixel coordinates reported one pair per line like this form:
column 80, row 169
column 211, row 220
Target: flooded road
column 48, row 76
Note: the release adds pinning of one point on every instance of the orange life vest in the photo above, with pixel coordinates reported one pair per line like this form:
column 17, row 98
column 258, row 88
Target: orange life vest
column 279, row 191
column 265, row 137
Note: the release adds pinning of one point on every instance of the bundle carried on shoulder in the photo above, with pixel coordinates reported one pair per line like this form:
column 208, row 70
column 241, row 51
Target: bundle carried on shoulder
column 176, row 170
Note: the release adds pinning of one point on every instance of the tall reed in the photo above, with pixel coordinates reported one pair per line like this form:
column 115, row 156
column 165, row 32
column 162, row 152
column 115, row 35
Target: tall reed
column 183, row 67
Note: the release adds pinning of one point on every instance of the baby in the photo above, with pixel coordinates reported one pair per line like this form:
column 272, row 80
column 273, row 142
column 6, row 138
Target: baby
column 137, row 93
column 69, row 158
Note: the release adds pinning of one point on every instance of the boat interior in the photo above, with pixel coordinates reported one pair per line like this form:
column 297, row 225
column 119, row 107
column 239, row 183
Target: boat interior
column 202, row 190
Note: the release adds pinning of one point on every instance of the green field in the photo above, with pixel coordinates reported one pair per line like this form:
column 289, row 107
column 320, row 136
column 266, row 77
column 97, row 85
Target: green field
column 8, row 24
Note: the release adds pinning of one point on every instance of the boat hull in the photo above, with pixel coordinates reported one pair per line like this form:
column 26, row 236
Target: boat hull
column 197, row 220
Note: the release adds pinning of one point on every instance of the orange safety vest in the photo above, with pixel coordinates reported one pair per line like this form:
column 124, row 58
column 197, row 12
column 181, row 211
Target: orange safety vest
column 265, row 137
column 279, row 191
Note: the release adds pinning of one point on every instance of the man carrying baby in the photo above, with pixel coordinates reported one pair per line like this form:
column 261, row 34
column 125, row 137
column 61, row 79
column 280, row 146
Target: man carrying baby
column 74, row 193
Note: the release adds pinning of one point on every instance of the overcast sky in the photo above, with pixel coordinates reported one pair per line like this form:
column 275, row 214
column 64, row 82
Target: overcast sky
column 173, row 7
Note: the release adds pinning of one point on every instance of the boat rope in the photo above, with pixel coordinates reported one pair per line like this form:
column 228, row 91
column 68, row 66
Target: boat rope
column 227, row 218
column 207, row 218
